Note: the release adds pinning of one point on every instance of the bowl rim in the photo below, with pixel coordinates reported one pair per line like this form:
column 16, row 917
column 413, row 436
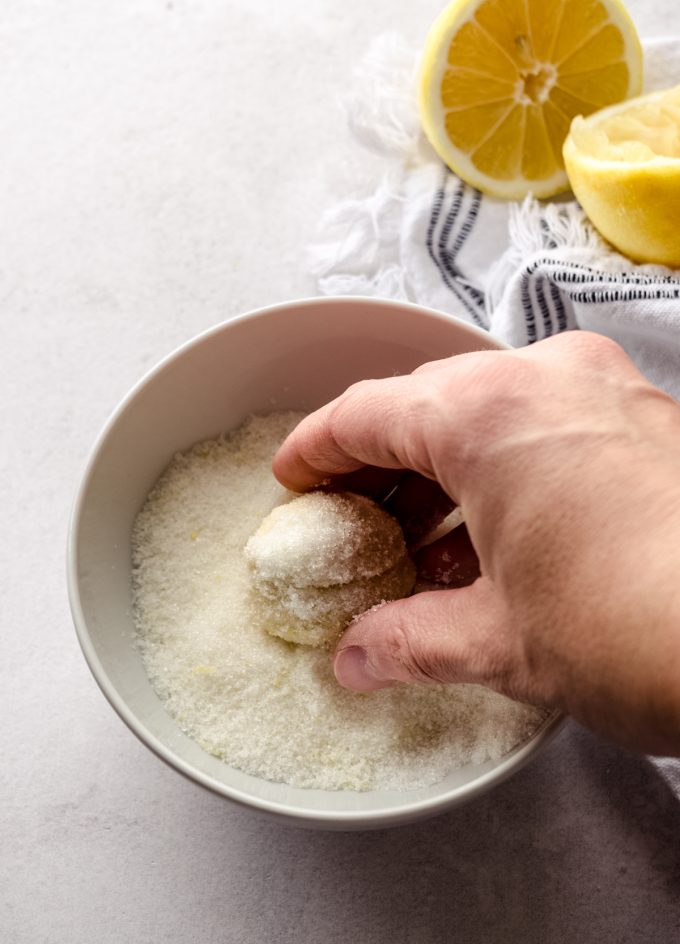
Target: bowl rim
column 399, row 814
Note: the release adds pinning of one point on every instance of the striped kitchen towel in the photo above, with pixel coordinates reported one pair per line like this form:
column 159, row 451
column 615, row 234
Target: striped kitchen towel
column 523, row 271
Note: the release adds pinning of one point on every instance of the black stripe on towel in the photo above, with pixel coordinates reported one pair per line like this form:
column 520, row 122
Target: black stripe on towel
column 559, row 307
column 448, row 254
column 468, row 295
column 570, row 282
column 527, row 306
column 544, row 307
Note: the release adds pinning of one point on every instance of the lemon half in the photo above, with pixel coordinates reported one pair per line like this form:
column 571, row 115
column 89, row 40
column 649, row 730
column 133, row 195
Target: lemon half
column 624, row 168
column 501, row 81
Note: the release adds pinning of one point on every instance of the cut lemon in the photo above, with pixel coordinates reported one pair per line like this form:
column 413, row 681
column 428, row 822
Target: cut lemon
column 624, row 168
column 502, row 79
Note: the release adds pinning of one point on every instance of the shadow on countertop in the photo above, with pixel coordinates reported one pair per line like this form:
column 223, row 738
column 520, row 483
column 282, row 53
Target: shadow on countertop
column 581, row 846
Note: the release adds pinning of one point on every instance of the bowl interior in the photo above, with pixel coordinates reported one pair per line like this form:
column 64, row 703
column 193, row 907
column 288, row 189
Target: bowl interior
column 295, row 356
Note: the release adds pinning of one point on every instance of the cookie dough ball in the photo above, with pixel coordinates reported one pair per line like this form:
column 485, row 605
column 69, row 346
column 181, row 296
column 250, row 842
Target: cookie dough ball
column 322, row 559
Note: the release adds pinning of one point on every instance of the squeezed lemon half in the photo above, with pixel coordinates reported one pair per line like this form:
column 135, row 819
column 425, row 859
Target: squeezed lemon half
column 624, row 168
column 502, row 80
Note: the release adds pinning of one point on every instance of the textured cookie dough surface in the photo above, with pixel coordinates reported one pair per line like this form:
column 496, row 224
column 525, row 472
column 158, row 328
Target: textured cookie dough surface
column 322, row 559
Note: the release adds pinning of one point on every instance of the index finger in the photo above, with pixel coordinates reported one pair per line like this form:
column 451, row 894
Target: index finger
column 375, row 422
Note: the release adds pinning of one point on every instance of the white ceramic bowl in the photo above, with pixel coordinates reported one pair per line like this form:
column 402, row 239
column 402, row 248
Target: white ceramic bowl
column 292, row 356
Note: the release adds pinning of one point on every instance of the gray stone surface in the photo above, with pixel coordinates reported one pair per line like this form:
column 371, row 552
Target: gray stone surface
column 162, row 166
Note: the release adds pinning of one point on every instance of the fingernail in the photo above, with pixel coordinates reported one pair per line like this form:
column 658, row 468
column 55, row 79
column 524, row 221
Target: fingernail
column 353, row 670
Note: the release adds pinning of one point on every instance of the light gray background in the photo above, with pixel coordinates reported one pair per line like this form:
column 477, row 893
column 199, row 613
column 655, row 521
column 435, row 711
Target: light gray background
column 162, row 167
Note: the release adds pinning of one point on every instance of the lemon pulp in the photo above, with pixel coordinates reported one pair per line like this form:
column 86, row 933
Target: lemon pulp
column 624, row 168
column 642, row 130
column 502, row 79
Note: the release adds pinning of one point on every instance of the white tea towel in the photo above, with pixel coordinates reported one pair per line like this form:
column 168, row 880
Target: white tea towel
column 522, row 271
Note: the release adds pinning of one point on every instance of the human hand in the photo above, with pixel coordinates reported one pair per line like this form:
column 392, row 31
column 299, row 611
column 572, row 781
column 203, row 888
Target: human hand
column 566, row 464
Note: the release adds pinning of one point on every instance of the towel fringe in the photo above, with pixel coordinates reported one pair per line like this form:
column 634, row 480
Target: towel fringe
column 559, row 228
column 380, row 115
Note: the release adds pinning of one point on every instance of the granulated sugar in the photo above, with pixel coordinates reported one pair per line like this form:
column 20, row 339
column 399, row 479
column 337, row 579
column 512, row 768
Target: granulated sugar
column 259, row 703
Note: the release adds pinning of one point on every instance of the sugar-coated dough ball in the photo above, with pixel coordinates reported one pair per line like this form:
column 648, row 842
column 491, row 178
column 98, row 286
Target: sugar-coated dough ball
column 316, row 616
column 320, row 560
column 325, row 538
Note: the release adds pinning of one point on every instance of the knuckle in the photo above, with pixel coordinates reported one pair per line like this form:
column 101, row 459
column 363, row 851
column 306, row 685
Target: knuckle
column 351, row 402
column 595, row 350
column 358, row 388
column 495, row 391
column 400, row 412
column 430, row 366
column 491, row 377
column 421, row 663
column 343, row 412
column 361, row 395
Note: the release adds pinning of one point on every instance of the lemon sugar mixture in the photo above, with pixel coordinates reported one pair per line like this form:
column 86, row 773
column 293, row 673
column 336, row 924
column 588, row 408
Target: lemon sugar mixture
column 260, row 703
column 322, row 558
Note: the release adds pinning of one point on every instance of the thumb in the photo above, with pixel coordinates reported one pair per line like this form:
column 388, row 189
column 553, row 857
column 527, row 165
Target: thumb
column 439, row 636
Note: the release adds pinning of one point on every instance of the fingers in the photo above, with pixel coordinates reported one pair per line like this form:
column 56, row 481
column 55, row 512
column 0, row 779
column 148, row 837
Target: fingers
column 451, row 560
column 380, row 423
column 400, row 422
column 441, row 636
column 296, row 471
